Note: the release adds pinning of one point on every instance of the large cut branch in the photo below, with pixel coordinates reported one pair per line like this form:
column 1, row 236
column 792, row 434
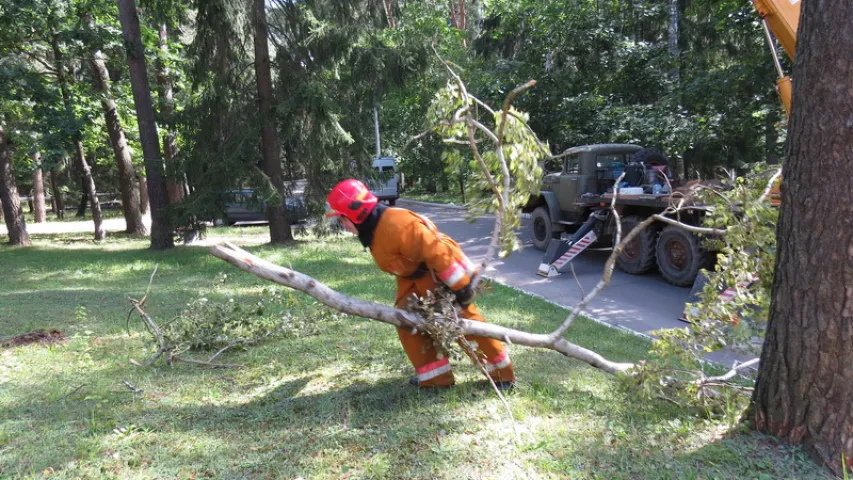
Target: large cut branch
column 400, row 318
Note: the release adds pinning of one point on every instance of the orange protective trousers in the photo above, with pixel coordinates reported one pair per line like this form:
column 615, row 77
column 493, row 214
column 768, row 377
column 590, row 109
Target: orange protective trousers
column 437, row 372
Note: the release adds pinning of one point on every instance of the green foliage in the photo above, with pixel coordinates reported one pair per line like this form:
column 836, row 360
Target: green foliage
column 509, row 173
column 207, row 324
column 746, row 263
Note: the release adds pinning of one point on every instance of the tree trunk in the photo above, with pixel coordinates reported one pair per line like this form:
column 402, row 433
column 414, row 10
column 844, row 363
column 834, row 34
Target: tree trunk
column 389, row 13
column 80, row 157
column 280, row 230
column 57, row 195
column 129, row 193
column 91, row 191
column 805, row 383
column 11, row 202
column 143, row 194
column 673, row 41
column 167, row 110
column 38, row 192
column 161, row 228
column 84, row 197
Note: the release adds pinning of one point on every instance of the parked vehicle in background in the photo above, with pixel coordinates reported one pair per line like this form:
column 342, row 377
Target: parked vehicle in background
column 575, row 200
column 387, row 185
column 244, row 206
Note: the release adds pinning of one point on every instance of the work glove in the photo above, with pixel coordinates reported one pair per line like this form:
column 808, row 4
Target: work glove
column 465, row 295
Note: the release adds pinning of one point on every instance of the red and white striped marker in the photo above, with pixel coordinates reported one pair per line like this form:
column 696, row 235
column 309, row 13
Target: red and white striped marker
column 575, row 249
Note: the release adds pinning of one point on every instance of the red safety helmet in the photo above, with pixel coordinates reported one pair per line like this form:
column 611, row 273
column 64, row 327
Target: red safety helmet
column 351, row 199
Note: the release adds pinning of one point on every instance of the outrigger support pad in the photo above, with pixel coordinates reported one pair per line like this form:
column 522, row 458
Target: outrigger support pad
column 561, row 252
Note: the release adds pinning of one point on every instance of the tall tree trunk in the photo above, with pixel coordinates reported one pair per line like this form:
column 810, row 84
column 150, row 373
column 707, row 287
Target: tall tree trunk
column 89, row 184
column 11, row 202
column 161, row 228
column 804, row 390
column 280, row 230
column 38, row 191
column 167, row 110
column 57, row 195
column 674, row 53
column 389, row 13
column 129, row 193
column 80, row 157
column 143, row 194
column 84, row 197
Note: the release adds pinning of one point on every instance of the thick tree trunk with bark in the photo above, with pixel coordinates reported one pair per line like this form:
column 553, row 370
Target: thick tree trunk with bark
column 167, row 110
column 11, row 202
column 161, row 228
column 280, row 230
column 39, row 210
column 79, row 156
column 58, row 201
column 129, row 192
column 804, row 391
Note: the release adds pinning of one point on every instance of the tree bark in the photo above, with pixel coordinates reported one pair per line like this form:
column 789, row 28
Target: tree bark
column 673, row 40
column 11, row 202
column 57, row 195
column 129, row 192
column 91, row 191
column 805, row 384
column 80, row 157
column 161, row 228
column 143, row 194
column 167, row 110
column 84, row 198
column 39, row 210
column 280, row 231
column 389, row 13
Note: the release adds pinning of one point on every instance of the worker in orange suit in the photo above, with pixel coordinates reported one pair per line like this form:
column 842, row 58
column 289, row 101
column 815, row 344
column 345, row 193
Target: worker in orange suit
column 412, row 249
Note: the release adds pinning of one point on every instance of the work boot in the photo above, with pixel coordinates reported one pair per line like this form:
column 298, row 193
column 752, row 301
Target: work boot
column 506, row 386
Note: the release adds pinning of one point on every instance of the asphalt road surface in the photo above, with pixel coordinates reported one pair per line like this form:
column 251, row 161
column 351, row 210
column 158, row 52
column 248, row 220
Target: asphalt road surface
column 641, row 303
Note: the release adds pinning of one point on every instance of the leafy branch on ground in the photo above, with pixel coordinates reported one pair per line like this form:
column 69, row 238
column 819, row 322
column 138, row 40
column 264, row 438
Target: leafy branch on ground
column 215, row 327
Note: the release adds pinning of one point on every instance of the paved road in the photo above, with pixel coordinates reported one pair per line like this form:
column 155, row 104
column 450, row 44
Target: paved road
column 641, row 303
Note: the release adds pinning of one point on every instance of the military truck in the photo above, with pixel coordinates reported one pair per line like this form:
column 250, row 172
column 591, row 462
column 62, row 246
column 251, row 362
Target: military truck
column 575, row 200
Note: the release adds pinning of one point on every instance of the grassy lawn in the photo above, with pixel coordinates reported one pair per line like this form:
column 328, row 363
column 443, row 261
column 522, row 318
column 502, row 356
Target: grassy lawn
column 330, row 401
column 438, row 197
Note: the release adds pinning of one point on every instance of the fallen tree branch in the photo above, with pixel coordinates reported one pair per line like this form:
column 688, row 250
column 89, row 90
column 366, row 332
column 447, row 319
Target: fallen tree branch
column 400, row 318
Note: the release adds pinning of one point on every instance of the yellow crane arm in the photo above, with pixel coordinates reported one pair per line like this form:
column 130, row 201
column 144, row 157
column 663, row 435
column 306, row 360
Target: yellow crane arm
column 782, row 17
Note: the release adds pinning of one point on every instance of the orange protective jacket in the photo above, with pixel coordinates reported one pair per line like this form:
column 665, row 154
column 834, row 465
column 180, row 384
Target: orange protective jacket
column 410, row 247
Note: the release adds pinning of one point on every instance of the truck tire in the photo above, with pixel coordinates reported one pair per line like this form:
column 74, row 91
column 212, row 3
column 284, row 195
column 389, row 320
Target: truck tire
column 638, row 257
column 543, row 229
column 680, row 256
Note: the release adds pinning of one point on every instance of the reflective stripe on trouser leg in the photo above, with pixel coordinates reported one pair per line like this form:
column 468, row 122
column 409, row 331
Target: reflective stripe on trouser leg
column 492, row 353
column 431, row 371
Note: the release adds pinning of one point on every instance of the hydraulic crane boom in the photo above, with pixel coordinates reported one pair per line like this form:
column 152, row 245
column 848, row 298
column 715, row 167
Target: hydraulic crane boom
column 782, row 17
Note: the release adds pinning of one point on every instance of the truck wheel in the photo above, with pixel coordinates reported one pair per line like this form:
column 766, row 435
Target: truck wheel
column 543, row 229
column 392, row 202
column 638, row 257
column 680, row 256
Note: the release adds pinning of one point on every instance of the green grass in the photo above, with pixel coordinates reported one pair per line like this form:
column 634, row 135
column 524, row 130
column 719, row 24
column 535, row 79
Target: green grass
column 331, row 403
column 438, row 197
